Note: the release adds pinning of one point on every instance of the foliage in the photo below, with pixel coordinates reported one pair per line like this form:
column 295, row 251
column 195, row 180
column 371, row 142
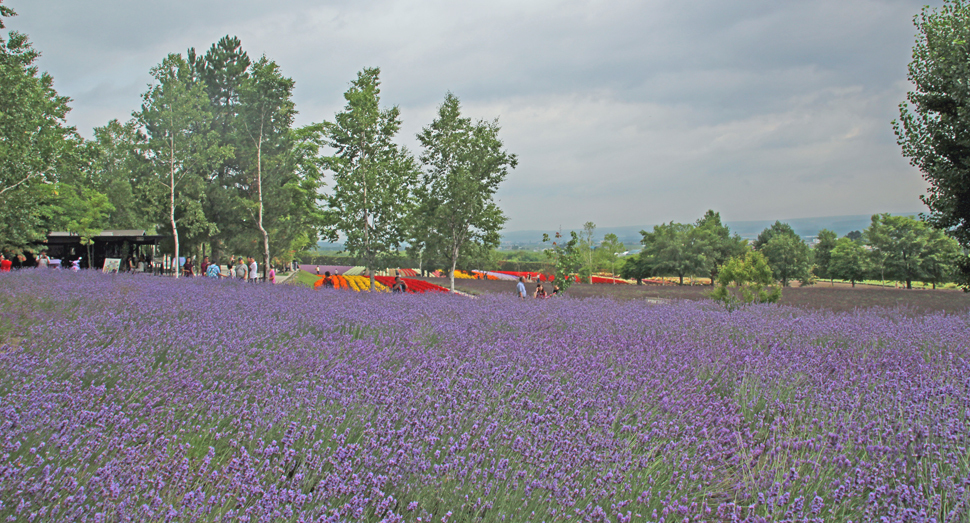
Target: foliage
column 716, row 242
column 372, row 195
column 673, row 249
column 934, row 124
column 586, row 249
column 906, row 249
column 82, row 211
column 788, row 256
column 610, row 250
column 463, row 166
column 116, row 169
column 36, row 144
column 264, row 120
column 636, row 268
column 848, row 260
column 752, row 279
column 822, row 253
column 566, row 256
column 180, row 145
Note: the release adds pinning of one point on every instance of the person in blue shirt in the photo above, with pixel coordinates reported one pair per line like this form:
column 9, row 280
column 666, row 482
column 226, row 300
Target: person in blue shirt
column 520, row 287
column 213, row 271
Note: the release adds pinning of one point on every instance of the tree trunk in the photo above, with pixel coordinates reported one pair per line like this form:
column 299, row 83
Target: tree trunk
column 909, row 283
column 454, row 261
column 259, row 188
column 681, row 279
column 171, row 208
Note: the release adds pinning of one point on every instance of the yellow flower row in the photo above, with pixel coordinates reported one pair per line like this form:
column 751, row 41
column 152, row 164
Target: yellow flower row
column 362, row 283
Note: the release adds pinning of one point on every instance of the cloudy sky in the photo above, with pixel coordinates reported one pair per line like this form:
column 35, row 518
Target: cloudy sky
column 621, row 112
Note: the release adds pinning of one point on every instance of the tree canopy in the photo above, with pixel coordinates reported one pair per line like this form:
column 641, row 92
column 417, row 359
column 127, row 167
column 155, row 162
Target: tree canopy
column 934, row 123
column 464, row 163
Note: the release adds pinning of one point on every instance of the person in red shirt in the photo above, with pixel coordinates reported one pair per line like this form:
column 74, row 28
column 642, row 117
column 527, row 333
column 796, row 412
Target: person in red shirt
column 5, row 264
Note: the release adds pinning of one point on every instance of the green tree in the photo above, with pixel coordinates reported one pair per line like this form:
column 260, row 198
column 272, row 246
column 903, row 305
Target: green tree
column 463, row 166
column 906, row 248
column 934, row 124
column 788, row 256
column 848, row 260
column 752, row 281
column 180, row 145
column 36, row 143
column 114, row 169
column 586, row 248
column 609, row 251
column 82, row 211
column 823, row 253
column 636, row 268
column 566, row 256
column 717, row 243
column 223, row 70
column 672, row 249
column 373, row 178
column 266, row 113
column 942, row 259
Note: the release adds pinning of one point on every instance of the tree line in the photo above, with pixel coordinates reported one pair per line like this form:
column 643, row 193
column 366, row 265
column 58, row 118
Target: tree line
column 900, row 248
column 212, row 158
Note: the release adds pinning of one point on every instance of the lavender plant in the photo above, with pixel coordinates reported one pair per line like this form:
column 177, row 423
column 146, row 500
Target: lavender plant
column 126, row 398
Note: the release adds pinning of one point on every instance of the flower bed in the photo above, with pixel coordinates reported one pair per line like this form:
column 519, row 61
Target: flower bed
column 354, row 283
column 414, row 286
column 607, row 279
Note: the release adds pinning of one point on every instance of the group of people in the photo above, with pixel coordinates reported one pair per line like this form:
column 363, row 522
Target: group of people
column 245, row 269
column 539, row 292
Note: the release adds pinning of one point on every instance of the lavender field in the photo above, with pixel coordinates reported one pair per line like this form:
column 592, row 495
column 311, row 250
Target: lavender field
column 126, row 398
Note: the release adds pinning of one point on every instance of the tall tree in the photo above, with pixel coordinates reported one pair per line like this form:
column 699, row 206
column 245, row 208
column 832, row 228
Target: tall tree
column 464, row 163
column 373, row 178
column 223, row 71
column 35, row 141
column 942, row 259
column 265, row 117
column 566, row 258
column 586, row 248
column 672, row 249
column 82, row 211
column 904, row 246
column 114, row 169
column 610, row 250
column 180, row 144
column 849, row 261
column 823, row 253
column 717, row 242
column 786, row 252
column 934, row 126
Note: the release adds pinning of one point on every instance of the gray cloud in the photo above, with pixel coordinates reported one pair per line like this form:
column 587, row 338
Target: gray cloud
column 622, row 112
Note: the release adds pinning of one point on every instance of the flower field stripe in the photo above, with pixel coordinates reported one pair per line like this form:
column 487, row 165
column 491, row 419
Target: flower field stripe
column 356, row 406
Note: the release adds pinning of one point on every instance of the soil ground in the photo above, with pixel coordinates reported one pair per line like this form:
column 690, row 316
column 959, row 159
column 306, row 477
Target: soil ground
column 838, row 297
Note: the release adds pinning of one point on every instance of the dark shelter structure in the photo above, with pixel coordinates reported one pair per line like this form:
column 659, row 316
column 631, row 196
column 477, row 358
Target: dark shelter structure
column 67, row 247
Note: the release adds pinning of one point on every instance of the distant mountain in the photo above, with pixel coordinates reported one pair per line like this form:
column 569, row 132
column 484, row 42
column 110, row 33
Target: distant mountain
column 805, row 227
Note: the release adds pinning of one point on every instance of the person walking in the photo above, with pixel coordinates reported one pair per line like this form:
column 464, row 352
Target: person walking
column 272, row 275
column 520, row 287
